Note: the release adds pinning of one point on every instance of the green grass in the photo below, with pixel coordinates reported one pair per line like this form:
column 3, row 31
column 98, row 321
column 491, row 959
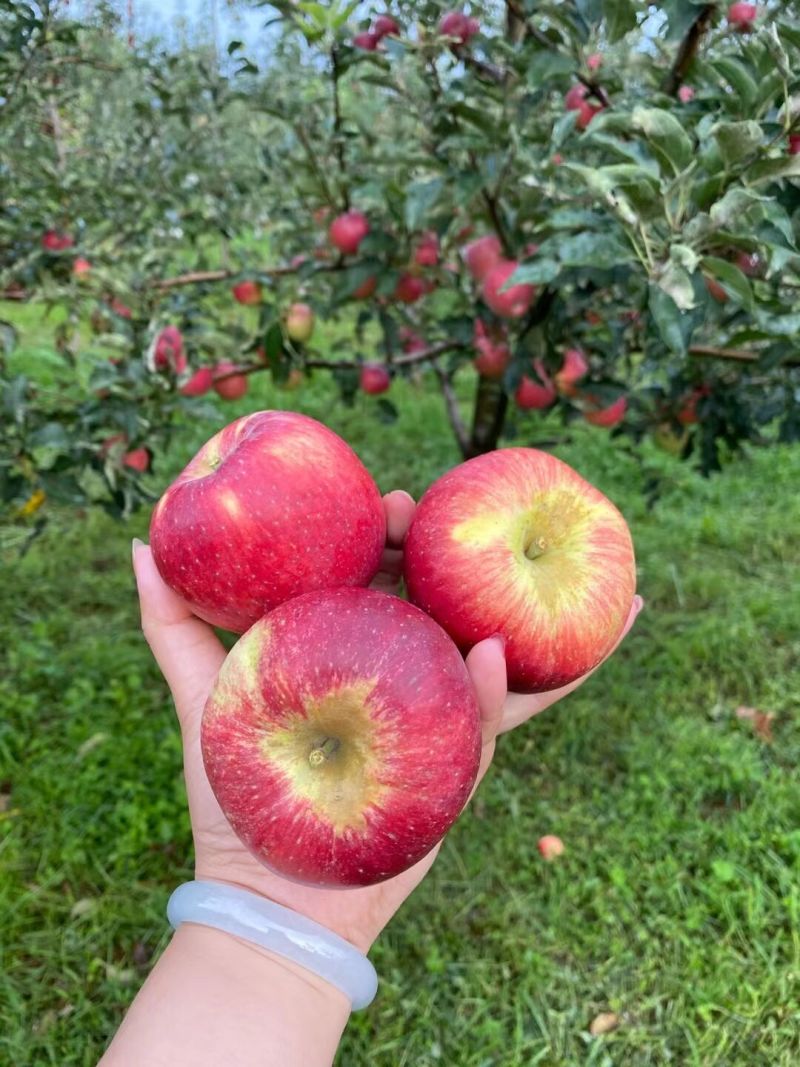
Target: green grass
column 676, row 904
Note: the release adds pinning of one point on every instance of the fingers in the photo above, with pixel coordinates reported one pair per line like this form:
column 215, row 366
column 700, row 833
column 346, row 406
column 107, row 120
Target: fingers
column 399, row 507
column 186, row 649
column 487, row 668
column 520, row 707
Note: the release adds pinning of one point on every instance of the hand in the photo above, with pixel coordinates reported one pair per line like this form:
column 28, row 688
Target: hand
column 190, row 655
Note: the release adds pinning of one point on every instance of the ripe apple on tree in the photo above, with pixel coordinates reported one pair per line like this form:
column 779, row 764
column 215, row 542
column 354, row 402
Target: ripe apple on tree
column 742, row 17
column 533, row 395
column 573, row 369
column 481, row 255
column 138, row 459
column 410, row 288
column 347, row 231
column 81, row 267
column 374, row 379
column 426, row 253
column 511, row 302
column 342, row 738
column 459, row 26
column 228, row 384
column 386, row 26
column 168, row 351
column 273, row 506
column 367, row 40
column 299, row 323
column 200, row 383
column 575, row 100
column 365, row 290
column 494, row 354
column 247, row 293
column 794, row 144
column 608, row 416
column 516, row 543
column 53, row 241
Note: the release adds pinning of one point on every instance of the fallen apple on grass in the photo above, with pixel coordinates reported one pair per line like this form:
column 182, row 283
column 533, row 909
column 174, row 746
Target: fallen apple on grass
column 273, row 506
column 342, row 738
column 516, row 543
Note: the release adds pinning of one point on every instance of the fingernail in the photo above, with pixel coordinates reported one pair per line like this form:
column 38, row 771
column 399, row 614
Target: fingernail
column 136, row 544
column 501, row 639
column 638, row 602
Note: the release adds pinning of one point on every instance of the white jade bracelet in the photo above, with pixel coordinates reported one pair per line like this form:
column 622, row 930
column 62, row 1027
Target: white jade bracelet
column 279, row 930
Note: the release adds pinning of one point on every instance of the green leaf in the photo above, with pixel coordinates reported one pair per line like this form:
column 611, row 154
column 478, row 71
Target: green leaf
column 733, row 281
column 546, row 65
column 538, row 272
column 737, row 140
column 736, row 75
column 603, row 251
column 728, row 212
column 386, row 411
column 769, row 170
column 667, row 317
column 620, row 16
column 562, row 128
column 675, row 281
column 273, row 343
column 667, row 137
column 421, row 198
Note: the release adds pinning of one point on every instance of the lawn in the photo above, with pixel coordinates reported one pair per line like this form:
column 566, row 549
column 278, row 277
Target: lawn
column 676, row 905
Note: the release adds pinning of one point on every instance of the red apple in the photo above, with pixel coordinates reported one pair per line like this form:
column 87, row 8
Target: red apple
column 248, row 293
column 794, row 144
column 374, row 379
column 550, row 847
column 273, row 506
column 575, row 100
column 715, row 289
column 53, row 241
column 385, row 26
column 742, row 17
column 226, row 384
column 411, row 341
column 481, row 255
column 81, row 267
column 516, row 543
column 200, row 383
column 121, row 309
column 687, row 413
column 750, row 263
column 366, row 289
column 138, row 459
column 594, row 318
column 608, row 416
column 426, row 254
column 459, row 26
column 514, row 301
column 574, row 367
column 494, row 354
column 557, row 159
column 300, row 323
column 594, row 61
column 168, row 352
column 530, row 395
column 347, row 231
column 368, row 41
column 685, row 94
column 410, row 289
column 342, row 737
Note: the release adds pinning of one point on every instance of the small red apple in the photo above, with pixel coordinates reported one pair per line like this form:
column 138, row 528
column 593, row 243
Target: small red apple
column 531, row 396
column 138, row 459
column 685, row 94
column 481, row 255
column 347, row 231
column 374, row 379
column 410, row 288
column 794, row 144
column 121, row 309
column 514, row 301
column 687, row 413
column 742, row 17
column 300, row 323
column 608, row 416
column 459, row 26
column 575, row 100
column 516, row 543
column 247, row 293
column 53, row 241
column 168, row 353
column 411, row 341
column 426, row 254
column 342, row 737
column 550, row 847
column 273, row 506
column 386, row 26
column 715, row 289
column 200, row 383
column 750, row 263
column 594, row 61
column 366, row 289
column 228, row 385
column 367, row 41
column 494, row 354
column 81, row 268
column 574, row 367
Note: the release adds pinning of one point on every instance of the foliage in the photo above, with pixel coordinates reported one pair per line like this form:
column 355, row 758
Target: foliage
column 675, row 904
column 658, row 226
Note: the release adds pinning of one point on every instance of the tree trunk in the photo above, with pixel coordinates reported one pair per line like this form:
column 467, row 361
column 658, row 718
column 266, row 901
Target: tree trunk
column 488, row 419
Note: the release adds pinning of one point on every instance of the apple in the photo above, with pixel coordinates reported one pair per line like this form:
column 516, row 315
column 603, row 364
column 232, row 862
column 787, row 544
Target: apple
column 347, row 231
column 594, row 318
column 794, row 144
column 385, row 26
column 687, row 413
column 273, row 506
column 226, row 384
column 742, row 17
column 514, row 301
column 411, row 341
column 608, row 416
column 53, row 241
column 299, row 323
column 685, row 94
column 459, row 26
column 342, row 737
column 168, row 352
column 557, row 159
column 138, row 459
column 368, row 41
column 493, row 351
column 426, row 254
column 516, row 543
column 481, row 255
column 121, row 309
column 594, row 61
column 200, row 383
column 81, row 267
column 366, row 289
column 531, row 396
column 410, row 289
column 574, row 367
column 294, row 379
column 750, row 263
column 715, row 289
column 575, row 100
column 247, row 293
column 550, row 847
column 374, row 379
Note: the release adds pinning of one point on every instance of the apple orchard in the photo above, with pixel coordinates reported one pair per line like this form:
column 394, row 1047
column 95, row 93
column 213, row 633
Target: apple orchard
column 572, row 211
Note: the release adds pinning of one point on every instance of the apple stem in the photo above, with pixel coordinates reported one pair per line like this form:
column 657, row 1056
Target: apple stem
column 535, row 548
column 320, row 753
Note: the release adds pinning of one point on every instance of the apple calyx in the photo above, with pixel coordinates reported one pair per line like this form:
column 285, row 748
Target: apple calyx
column 535, row 548
column 320, row 753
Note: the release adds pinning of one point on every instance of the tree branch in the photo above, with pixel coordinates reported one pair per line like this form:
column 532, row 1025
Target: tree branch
column 738, row 355
column 451, row 407
column 338, row 140
column 688, row 49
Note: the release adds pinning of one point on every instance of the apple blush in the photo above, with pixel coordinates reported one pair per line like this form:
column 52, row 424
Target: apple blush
column 342, row 737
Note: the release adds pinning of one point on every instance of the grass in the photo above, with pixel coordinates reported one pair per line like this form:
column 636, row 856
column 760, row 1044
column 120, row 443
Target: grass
column 677, row 902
